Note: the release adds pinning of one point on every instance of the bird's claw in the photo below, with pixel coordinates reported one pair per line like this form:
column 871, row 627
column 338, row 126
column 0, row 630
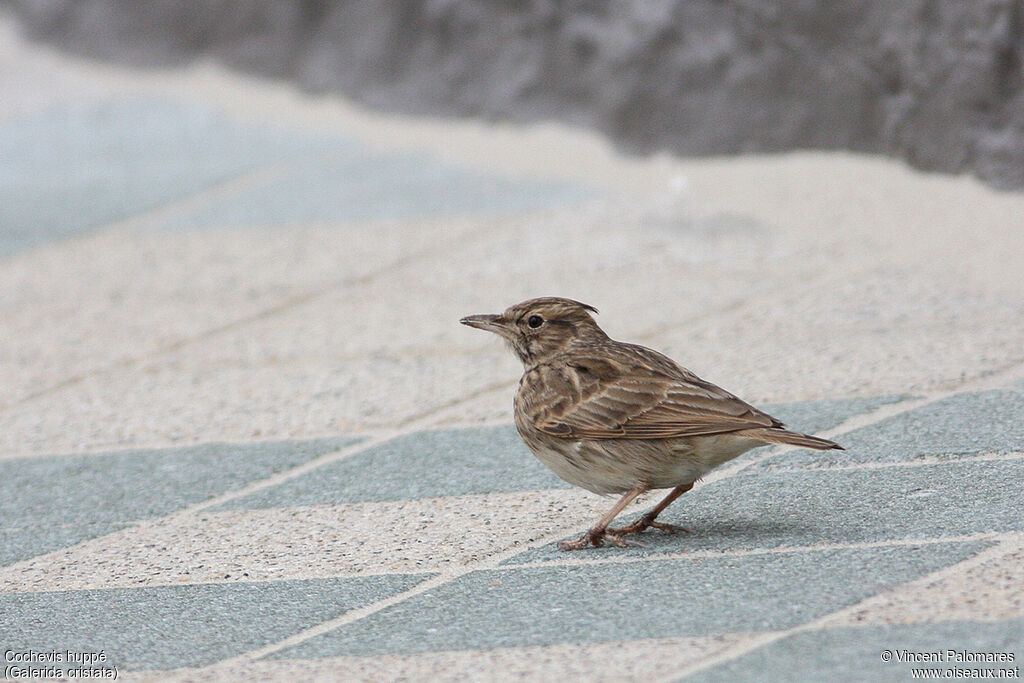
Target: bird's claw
column 622, row 541
column 640, row 525
column 670, row 528
column 576, row 544
column 597, row 539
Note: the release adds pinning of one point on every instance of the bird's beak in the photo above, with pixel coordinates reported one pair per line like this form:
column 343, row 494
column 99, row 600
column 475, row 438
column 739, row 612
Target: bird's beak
column 489, row 321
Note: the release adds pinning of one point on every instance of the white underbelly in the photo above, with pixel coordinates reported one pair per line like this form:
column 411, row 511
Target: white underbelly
column 610, row 466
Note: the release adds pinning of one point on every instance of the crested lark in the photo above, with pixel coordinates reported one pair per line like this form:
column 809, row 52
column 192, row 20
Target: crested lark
column 619, row 418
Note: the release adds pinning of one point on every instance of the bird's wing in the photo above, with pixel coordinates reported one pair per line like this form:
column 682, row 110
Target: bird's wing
column 640, row 394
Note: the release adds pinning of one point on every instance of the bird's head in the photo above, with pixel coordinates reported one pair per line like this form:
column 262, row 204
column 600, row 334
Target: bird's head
column 539, row 328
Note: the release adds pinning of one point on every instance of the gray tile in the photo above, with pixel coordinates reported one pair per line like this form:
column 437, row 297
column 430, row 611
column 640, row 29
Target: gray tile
column 965, row 424
column 76, row 168
column 467, row 461
column 166, row 627
column 21, row 543
column 855, row 654
column 519, row 607
column 420, row 465
column 811, row 417
column 54, row 501
column 807, row 507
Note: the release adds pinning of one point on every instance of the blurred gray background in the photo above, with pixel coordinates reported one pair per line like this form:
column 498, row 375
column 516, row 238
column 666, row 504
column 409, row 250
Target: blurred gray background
column 937, row 83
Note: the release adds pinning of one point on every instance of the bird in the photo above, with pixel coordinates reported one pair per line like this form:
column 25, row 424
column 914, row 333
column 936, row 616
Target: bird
column 619, row 418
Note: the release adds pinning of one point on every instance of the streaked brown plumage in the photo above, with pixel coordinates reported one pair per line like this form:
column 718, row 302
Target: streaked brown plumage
column 619, row 418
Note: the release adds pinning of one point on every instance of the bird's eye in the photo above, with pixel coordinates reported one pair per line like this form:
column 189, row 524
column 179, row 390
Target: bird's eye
column 535, row 321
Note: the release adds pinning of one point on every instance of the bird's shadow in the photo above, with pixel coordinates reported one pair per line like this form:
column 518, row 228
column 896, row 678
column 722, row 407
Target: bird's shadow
column 715, row 535
column 726, row 535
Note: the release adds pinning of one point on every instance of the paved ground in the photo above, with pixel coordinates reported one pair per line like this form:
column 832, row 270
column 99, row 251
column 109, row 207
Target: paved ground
column 243, row 436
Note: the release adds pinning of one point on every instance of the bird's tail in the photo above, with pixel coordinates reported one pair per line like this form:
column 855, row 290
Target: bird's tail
column 784, row 436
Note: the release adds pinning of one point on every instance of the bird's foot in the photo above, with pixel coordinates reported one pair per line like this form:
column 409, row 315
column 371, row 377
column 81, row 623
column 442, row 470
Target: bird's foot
column 596, row 538
column 620, row 540
column 577, row 544
column 642, row 524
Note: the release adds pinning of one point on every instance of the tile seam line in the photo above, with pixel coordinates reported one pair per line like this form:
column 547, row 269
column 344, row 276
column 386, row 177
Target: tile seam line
column 821, row 623
column 249, row 581
column 926, row 461
column 292, row 303
column 176, row 445
column 995, row 536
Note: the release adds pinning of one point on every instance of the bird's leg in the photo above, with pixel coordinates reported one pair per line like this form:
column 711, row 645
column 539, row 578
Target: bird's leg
column 599, row 532
column 648, row 519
